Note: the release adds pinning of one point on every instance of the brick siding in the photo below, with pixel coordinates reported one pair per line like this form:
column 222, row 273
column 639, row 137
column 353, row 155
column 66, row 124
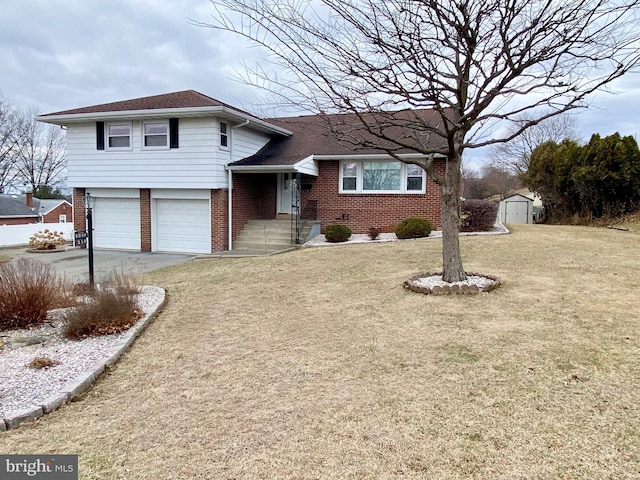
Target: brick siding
column 362, row 211
column 254, row 196
column 219, row 220
column 145, row 220
column 79, row 215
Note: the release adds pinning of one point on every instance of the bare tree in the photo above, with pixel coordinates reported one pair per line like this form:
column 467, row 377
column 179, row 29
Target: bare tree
column 41, row 155
column 475, row 62
column 10, row 141
column 499, row 181
column 515, row 155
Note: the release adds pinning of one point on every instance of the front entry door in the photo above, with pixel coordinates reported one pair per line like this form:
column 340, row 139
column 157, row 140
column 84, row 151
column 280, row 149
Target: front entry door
column 286, row 184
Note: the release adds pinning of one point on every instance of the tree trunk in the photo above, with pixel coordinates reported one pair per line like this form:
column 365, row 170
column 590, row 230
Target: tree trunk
column 453, row 271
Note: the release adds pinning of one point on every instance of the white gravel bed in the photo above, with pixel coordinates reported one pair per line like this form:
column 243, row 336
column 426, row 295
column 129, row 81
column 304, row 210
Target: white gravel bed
column 321, row 241
column 22, row 387
column 436, row 281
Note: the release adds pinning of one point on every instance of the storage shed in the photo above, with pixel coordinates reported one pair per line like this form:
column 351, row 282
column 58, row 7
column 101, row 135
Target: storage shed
column 516, row 209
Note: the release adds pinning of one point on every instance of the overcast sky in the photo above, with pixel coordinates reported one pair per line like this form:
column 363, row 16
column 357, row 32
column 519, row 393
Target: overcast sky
column 62, row 54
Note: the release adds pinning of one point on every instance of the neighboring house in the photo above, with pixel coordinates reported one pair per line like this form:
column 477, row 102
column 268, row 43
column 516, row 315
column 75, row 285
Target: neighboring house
column 15, row 211
column 53, row 210
column 24, row 208
column 183, row 172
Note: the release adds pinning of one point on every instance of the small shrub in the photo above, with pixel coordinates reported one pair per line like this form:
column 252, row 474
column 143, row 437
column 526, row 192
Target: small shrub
column 413, row 227
column 337, row 233
column 373, row 233
column 28, row 289
column 106, row 313
column 46, row 240
column 43, row 362
column 478, row 215
column 122, row 283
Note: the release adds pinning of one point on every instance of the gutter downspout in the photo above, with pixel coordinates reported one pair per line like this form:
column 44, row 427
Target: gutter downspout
column 230, row 213
column 243, row 124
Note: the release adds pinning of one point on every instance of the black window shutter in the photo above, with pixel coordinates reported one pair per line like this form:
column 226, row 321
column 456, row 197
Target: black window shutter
column 100, row 135
column 173, row 133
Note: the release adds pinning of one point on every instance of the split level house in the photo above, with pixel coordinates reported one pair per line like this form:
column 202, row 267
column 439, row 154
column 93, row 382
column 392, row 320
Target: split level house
column 183, row 172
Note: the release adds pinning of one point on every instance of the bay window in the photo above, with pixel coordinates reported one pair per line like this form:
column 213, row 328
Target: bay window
column 380, row 177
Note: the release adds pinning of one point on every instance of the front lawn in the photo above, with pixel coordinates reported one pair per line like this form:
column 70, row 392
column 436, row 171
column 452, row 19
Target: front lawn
column 318, row 364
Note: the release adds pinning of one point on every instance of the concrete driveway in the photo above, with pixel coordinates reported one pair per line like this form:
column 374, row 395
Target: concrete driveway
column 74, row 263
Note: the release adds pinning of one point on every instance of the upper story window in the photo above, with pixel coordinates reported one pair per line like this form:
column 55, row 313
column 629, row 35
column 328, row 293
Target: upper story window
column 155, row 134
column 224, row 135
column 119, row 135
column 380, row 177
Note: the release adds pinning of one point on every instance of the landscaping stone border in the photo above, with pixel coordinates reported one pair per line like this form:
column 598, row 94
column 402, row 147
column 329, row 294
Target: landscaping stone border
column 86, row 379
column 452, row 288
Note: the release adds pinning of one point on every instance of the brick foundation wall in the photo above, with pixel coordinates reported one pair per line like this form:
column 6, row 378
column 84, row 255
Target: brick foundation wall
column 362, row 211
column 254, row 196
column 219, row 220
column 145, row 220
column 79, row 215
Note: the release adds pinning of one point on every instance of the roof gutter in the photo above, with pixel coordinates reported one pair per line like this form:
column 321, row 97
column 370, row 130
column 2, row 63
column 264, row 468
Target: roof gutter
column 164, row 112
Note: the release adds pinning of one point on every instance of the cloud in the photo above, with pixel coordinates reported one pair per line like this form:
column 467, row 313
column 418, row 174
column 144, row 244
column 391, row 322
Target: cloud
column 66, row 54
column 62, row 54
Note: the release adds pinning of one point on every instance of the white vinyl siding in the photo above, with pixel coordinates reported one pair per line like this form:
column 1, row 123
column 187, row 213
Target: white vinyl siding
column 197, row 164
column 246, row 142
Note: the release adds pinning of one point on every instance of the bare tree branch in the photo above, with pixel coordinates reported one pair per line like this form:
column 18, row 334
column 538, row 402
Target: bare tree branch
column 42, row 154
column 491, row 69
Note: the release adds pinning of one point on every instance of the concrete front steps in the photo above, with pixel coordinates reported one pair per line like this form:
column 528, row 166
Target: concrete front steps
column 269, row 236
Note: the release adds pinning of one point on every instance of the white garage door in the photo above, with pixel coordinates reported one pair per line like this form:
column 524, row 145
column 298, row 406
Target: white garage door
column 183, row 226
column 116, row 223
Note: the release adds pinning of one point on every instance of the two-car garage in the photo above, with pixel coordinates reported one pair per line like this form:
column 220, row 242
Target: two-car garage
column 179, row 220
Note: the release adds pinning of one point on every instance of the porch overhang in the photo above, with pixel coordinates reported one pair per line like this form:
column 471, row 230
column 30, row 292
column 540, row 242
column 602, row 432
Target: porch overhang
column 306, row 166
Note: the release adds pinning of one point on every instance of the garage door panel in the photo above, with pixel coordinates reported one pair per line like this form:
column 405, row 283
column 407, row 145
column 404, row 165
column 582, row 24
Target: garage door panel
column 183, row 225
column 116, row 223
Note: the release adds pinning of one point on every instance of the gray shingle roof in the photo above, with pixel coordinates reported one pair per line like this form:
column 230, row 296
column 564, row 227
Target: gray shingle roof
column 183, row 99
column 14, row 206
column 343, row 135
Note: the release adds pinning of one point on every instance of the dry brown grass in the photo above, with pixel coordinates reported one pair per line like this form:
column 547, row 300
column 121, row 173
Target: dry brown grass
column 318, row 364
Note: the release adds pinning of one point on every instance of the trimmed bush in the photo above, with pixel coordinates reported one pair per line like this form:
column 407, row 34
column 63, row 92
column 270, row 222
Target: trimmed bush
column 28, row 289
column 46, row 240
column 413, row 227
column 105, row 313
column 373, row 233
column 478, row 215
column 109, row 309
column 337, row 233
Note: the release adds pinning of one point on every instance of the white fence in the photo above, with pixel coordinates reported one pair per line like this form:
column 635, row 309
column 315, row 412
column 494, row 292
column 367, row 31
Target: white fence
column 13, row 235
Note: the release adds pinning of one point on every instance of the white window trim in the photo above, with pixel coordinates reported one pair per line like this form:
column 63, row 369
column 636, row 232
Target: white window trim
column 228, row 135
column 359, row 180
column 107, row 137
column 162, row 147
